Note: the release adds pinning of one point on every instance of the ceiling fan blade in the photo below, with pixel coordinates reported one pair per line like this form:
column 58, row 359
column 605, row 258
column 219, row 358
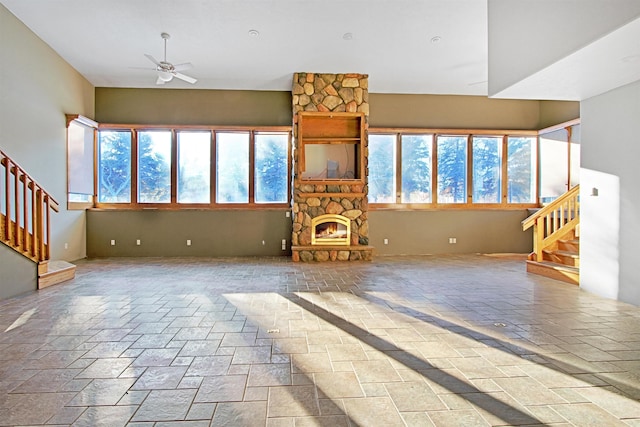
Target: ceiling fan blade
column 152, row 59
column 185, row 78
column 159, row 81
column 183, row 66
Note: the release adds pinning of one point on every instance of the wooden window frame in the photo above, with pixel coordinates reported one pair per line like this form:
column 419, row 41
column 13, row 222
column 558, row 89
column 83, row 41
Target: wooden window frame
column 469, row 134
column 212, row 205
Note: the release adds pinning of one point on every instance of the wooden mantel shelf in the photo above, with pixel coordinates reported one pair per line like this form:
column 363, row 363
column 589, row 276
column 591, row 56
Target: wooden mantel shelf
column 346, row 195
column 333, row 248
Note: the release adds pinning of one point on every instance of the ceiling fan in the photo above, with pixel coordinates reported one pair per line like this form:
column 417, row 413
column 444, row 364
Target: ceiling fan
column 166, row 70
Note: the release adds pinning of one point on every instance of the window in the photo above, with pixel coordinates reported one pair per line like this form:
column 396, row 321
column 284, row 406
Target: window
column 271, row 168
column 382, row 168
column 232, row 179
column 521, row 169
column 80, row 136
column 452, row 169
column 486, row 154
column 114, row 167
column 416, row 168
column 154, row 167
column 194, row 167
column 442, row 170
column 554, row 160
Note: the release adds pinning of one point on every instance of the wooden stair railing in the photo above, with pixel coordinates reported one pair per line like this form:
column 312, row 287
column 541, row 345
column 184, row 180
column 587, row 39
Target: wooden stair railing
column 554, row 222
column 25, row 221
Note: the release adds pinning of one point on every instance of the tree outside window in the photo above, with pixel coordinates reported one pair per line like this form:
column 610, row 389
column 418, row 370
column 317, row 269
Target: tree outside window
column 452, row 169
column 521, row 170
column 114, row 167
column 487, row 169
column 416, row 168
column 232, row 179
column 271, row 168
column 154, row 167
column 194, row 167
column 382, row 168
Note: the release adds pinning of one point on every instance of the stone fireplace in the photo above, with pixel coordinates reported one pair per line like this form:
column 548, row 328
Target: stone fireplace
column 330, row 139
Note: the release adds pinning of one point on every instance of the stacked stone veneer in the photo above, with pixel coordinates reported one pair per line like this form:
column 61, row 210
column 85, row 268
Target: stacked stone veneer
column 335, row 93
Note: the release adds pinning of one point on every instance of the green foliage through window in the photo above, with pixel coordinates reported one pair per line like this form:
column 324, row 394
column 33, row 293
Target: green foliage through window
column 271, row 168
column 189, row 154
column 114, row 167
column 454, row 179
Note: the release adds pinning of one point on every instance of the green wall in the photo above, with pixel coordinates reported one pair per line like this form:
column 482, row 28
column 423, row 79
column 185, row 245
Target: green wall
column 467, row 112
column 240, row 233
column 273, row 108
column 193, row 107
column 428, row 232
column 213, row 233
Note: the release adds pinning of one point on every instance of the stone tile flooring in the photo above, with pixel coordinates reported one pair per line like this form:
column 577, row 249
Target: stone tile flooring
column 415, row 341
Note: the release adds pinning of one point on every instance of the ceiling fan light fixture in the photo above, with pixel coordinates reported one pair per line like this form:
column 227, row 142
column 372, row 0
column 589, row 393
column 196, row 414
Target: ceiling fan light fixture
column 165, row 76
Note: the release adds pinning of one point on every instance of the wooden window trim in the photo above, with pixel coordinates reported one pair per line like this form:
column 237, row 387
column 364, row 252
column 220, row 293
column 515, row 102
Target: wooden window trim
column 469, row 134
column 134, row 205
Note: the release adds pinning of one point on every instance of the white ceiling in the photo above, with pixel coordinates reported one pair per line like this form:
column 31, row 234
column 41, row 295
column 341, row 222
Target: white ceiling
column 391, row 41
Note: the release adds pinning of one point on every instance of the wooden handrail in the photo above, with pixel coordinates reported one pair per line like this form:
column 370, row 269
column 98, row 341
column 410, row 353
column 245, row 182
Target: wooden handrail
column 26, row 221
column 554, row 221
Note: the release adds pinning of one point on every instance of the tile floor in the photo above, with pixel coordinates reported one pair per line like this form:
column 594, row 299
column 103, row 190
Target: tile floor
column 402, row 341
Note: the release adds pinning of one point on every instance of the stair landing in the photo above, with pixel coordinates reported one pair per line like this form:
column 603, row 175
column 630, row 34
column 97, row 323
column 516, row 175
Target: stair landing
column 564, row 273
column 54, row 272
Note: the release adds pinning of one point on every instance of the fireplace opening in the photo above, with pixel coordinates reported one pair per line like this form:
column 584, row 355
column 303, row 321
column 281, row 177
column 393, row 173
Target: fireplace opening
column 330, row 230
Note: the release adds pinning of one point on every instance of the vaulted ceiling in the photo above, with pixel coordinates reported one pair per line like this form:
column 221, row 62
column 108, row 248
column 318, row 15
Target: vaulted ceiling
column 406, row 46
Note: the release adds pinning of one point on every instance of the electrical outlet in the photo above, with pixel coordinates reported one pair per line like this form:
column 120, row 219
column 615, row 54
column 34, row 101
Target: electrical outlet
column 287, row 214
column 138, row 242
column 66, row 246
column 386, row 241
column 452, row 240
column 263, row 243
column 113, row 242
column 188, row 242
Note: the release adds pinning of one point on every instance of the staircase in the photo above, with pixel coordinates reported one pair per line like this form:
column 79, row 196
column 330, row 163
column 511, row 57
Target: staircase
column 556, row 239
column 25, row 222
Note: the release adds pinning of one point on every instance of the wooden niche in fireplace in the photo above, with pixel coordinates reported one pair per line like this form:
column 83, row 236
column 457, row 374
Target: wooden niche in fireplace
column 331, row 148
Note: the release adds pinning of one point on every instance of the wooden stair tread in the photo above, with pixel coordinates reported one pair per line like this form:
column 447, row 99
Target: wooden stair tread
column 571, row 254
column 555, row 266
column 570, row 241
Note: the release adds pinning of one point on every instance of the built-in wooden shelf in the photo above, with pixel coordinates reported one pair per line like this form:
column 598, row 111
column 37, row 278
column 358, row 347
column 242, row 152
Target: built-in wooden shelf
column 318, row 135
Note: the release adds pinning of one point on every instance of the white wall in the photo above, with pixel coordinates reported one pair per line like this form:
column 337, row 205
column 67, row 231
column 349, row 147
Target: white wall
column 526, row 36
column 37, row 88
column 610, row 227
